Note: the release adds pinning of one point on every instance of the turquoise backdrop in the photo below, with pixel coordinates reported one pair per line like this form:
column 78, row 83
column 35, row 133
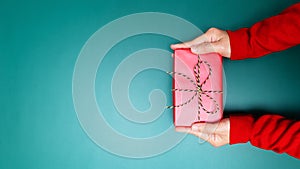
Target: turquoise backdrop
column 40, row 42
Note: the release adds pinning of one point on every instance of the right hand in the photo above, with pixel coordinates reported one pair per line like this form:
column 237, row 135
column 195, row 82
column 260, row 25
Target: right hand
column 214, row 40
column 217, row 134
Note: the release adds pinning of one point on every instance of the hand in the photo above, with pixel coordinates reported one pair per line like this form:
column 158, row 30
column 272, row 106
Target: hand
column 216, row 134
column 214, row 40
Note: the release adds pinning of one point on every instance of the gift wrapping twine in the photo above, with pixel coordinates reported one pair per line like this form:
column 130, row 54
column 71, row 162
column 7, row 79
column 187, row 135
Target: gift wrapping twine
column 198, row 91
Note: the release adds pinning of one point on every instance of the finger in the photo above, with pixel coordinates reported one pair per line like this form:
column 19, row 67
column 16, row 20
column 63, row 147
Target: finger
column 189, row 44
column 205, row 48
column 183, row 129
column 201, row 39
column 181, row 45
column 208, row 128
column 203, row 136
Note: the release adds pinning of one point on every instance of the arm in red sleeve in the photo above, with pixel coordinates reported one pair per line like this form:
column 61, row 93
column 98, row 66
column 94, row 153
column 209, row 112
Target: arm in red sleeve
column 270, row 35
column 269, row 132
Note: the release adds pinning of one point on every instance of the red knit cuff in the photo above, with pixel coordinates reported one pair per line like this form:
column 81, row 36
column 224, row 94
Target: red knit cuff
column 238, row 44
column 240, row 128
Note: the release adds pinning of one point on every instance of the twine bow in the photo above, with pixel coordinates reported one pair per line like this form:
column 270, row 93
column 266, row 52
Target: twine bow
column 198, row 91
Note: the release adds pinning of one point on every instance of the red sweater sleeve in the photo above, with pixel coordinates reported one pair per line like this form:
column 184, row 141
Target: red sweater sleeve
column 270, row 35
column 270, row 132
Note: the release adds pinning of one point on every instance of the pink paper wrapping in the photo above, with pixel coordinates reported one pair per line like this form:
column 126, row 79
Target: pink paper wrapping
column 209, row 106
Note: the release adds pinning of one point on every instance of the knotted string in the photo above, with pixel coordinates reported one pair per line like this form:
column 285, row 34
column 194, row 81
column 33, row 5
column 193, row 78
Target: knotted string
column 198, row 91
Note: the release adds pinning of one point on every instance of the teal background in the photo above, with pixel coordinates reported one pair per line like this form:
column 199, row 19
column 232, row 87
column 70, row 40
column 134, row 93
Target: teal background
column 39, row 45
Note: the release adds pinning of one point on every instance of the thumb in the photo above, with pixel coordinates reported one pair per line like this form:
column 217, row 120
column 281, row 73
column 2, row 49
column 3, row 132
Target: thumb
column 204, row 48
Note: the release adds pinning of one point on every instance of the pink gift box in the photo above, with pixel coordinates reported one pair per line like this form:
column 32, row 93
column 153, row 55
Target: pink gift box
column 197, row 93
